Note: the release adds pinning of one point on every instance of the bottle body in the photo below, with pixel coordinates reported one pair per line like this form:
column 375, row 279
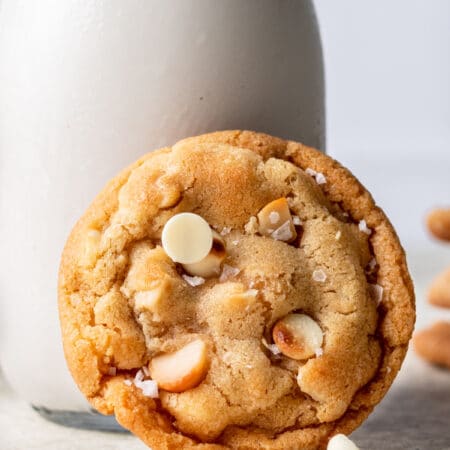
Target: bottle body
column 92, row 86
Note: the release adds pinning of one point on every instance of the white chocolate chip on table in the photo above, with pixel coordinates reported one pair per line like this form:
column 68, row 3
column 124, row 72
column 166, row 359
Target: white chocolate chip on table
column 181, row 370
column 210, row 266
column 187, row 238
column 298, row 336
column 341, row 442
column 275, row 220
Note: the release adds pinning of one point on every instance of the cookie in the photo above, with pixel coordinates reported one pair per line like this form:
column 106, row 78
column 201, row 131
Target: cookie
column 433, row 344
column 439, row 293
column 289, row 331
column 438, row 222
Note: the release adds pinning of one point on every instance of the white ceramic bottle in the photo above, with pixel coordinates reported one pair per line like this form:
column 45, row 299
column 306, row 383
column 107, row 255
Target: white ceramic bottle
column 86, row 88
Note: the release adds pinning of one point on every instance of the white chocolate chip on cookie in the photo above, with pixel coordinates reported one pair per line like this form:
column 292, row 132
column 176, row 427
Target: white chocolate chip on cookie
column 181, row 370
column 187, row 238
column 297, row 336
column 210, row 266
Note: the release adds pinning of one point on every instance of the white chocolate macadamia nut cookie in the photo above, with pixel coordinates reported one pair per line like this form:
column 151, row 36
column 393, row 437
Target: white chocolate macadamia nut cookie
column 216, row 295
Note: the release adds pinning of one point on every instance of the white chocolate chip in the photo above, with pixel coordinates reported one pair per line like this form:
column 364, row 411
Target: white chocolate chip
column 341, row 442
column 210, row 265
column 319, row 275
column 193, row 281
column 187, row 238
column 363, row 227
column 298, row 336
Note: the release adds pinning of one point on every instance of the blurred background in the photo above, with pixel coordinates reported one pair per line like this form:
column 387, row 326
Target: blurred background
column 387, row 69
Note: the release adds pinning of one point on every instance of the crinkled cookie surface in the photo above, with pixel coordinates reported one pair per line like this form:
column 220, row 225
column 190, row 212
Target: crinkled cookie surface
column 345, row 270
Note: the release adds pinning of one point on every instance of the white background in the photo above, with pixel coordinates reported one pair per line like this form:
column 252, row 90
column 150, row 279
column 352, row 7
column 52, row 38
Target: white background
column 388, row 102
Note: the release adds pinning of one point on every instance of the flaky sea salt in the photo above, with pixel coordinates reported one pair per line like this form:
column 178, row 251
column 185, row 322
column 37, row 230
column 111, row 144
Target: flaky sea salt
column 283, row 233
column 274, row 217
column 388, row 369
column 319, row 275
column 338, row 235
column 273, row 348
column 193, row 281
column 236, row 242
column 371, row 265
column 376, row 292
column 228, row 272
column 149, row 388
column 318, row 352
column 364, row 228
column 318, row 176
column 225, row 231
column 296, row 220
column 139, row 376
